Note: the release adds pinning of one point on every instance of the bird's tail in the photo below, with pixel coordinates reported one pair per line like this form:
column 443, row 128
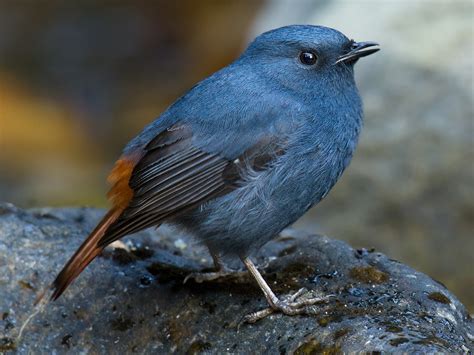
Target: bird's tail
column 84, row 255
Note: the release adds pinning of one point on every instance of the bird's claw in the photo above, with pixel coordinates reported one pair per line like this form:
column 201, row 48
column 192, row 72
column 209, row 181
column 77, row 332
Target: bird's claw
column 291, row 305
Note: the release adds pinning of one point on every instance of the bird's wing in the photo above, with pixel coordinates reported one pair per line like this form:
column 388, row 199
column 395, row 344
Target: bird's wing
column 168, row 176
column 171, row 177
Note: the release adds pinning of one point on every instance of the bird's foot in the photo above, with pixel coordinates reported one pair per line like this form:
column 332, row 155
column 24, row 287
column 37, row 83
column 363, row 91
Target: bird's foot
column 223, row 273
column 295, row 304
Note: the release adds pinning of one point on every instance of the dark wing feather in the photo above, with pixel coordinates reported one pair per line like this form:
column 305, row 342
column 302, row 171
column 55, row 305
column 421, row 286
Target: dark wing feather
column 171, row 177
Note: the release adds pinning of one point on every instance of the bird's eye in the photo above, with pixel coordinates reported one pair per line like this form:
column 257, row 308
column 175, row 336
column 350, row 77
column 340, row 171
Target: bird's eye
column 308, row 58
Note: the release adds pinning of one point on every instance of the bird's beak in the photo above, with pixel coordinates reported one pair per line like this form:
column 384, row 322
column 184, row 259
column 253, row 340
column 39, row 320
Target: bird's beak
column 358, row 50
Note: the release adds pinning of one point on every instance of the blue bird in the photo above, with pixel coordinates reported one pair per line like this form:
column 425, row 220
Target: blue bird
column 243, row 154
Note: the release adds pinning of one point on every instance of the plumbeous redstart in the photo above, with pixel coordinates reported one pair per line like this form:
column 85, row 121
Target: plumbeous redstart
column 243, row 154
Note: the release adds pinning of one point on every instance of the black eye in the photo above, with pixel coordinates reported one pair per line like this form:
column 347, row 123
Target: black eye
column 353, row 44
column 308, row 58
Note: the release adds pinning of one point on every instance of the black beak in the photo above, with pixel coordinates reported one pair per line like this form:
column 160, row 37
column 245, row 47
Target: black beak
column 358, row 50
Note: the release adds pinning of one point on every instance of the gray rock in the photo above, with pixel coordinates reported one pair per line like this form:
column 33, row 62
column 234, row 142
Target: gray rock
column 132, row 298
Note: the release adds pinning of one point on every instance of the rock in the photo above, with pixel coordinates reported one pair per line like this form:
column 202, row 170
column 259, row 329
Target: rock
column 132, row 298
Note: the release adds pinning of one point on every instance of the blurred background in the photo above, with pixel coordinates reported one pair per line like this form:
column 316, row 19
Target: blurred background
column 79, row 79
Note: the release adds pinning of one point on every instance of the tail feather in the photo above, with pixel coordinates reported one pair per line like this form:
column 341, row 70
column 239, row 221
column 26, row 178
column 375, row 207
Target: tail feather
column 120, row 195
column 84, row 255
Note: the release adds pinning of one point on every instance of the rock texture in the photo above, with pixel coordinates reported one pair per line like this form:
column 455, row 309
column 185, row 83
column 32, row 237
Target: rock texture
column 132, row 298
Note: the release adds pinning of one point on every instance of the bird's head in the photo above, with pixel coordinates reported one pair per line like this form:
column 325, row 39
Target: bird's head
column 299, row 56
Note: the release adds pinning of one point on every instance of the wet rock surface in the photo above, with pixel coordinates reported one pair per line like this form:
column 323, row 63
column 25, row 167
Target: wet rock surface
column 132, row 298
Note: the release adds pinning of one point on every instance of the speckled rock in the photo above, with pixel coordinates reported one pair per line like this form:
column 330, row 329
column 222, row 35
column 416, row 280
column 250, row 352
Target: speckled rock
column 132, row 298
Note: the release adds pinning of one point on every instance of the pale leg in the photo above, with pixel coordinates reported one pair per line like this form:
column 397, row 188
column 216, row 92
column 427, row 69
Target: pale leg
column 290, row 305
column 221, row 271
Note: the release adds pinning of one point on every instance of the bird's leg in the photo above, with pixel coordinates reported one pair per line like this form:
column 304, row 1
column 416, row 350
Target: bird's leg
column 216, row 259
column 291, row 305
column 221, row 271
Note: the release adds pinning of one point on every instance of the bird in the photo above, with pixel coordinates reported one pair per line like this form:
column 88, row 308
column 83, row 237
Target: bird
column 242, row 155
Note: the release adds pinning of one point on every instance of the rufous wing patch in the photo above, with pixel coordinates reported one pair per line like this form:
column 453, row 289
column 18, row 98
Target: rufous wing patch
column 120, row 193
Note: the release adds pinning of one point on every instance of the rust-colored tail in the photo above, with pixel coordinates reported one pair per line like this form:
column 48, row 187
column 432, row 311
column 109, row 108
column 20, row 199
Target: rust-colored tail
column 120, row 195
column 84, row 255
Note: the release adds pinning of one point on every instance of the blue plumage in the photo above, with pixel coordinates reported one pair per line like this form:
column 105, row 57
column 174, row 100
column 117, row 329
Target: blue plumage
column 243, row 154
column 267, row 91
